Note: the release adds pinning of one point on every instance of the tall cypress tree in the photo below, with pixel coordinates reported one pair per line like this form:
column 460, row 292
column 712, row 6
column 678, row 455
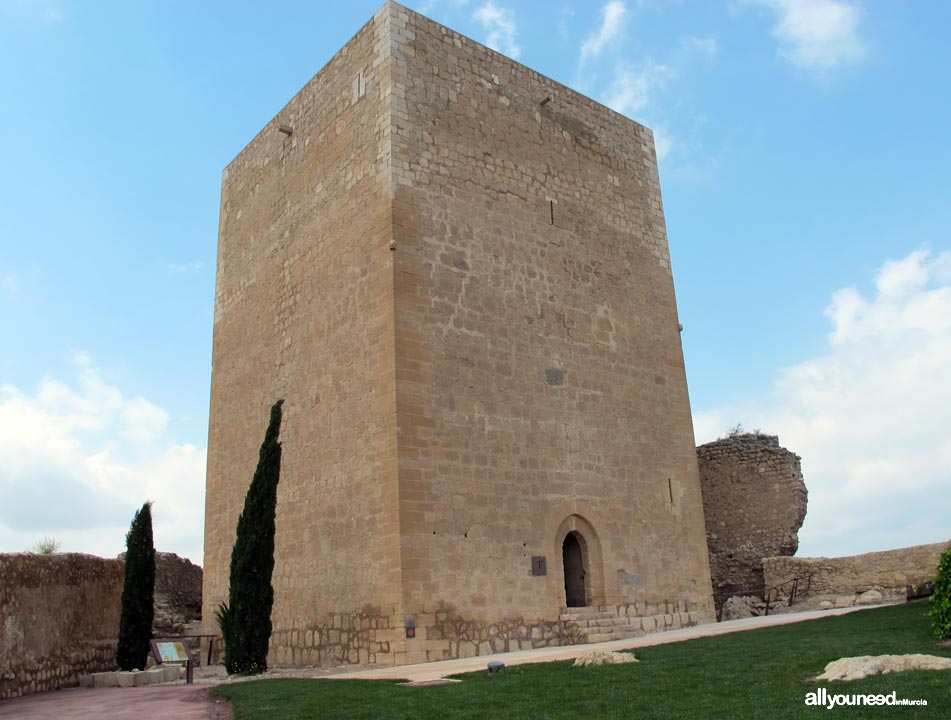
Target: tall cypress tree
column 138, row 589
column 245, row 620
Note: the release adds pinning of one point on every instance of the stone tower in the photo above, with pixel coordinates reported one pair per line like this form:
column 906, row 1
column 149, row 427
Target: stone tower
column 754, row 500
column 455, row 272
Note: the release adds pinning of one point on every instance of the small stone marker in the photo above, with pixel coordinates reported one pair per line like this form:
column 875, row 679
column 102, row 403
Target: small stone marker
column 495, row 667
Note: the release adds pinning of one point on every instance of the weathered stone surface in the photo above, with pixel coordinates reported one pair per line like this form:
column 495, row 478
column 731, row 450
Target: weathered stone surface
column 754, row 502
column 869, row 597
column 59, row 619
column 603, row 657
column 738, row 607
column 886, row 572
column 856, row 668
column 464, row 296
column 59, row 615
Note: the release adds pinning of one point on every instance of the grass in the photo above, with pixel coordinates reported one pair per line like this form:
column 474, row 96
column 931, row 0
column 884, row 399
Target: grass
column 757, row 674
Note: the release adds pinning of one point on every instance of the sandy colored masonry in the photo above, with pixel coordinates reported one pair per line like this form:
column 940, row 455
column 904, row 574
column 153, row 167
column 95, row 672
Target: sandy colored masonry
column 455, row 272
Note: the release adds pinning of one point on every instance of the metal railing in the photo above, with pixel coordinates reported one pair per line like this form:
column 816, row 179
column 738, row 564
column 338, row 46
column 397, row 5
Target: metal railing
column 772, row 596
column 794, row 589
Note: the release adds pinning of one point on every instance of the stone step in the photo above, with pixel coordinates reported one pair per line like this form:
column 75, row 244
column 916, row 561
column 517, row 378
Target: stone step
column 586, row 610
column 605, row 637
column 586, row 617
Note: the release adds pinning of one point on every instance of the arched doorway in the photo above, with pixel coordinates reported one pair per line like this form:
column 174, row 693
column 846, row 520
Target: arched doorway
column 573, row 561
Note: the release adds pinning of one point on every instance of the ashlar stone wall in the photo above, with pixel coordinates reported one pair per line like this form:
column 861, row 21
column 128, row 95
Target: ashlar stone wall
column 754, row 502
column 455, row 272
column 540, row 377
column 59, row 619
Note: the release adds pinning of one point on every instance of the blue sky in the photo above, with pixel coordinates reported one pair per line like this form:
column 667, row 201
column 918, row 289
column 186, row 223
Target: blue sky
column 804, row 158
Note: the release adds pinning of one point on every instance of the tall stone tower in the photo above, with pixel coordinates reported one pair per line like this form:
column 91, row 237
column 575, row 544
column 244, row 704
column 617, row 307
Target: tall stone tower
column 455, row 272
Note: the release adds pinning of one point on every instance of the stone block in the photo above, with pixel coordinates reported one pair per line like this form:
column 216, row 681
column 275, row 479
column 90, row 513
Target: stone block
column 127, row 679
column 105, row 679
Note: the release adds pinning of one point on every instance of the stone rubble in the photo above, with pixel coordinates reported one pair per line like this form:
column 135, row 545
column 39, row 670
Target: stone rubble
column 603, row 657
column 856, row 668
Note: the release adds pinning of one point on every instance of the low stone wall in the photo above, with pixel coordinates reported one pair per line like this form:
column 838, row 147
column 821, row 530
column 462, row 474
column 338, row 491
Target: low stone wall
column 887, row 572
column 59, row 619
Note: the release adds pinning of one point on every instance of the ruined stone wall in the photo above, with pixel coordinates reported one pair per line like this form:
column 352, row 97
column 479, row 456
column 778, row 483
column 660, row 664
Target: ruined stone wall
column 177, row 596
column 540, row 378
column 754, row 502
column 887, row 572
column 178, row 581
column 59, row 619
column 304, row 312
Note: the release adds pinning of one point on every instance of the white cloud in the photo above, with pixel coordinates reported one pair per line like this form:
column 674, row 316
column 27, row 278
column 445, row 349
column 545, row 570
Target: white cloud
column 870, row 416
column 76, row 461
column 705, row 46
column 630, row 90
column 500, row 23
column 612, row 23
column 9, row 283
column 817, row 34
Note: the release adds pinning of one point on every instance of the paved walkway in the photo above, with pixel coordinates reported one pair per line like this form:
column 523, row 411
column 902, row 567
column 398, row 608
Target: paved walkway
column 437, row 670
column 191, row 702
column 181, row 702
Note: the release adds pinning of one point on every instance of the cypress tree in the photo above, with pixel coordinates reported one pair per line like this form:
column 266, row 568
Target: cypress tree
column 245, row 620
column 138, row 588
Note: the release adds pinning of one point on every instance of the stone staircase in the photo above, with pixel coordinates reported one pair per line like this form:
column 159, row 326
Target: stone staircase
column 598, row 623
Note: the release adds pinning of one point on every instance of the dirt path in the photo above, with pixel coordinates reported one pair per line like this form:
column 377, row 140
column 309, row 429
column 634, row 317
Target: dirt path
column 182, row 702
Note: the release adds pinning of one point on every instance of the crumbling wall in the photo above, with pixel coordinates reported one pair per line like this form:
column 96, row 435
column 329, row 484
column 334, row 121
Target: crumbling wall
column 178, row 581
column 177, row 596
column 754, row 502
column 886, row 572
column 59, row 615
column 59, row 619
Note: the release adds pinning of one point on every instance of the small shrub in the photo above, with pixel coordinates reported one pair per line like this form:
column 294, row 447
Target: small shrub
column 941, row 600
column 46, row 546
column 736, row 431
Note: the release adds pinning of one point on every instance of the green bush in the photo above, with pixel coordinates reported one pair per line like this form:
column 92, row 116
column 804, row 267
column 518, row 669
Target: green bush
column 135, row 624
column 245, row 621
column 941, row 600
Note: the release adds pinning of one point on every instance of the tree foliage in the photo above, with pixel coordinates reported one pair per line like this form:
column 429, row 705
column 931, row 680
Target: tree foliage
column 138, row 589
column 245, row 620
column 941, row 600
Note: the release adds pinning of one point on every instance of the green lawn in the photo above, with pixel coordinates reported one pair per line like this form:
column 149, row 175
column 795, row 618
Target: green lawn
column 757, row 674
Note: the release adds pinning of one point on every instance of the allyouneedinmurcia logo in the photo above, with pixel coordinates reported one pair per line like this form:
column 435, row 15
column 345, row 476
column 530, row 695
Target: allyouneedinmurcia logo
column 821, row 697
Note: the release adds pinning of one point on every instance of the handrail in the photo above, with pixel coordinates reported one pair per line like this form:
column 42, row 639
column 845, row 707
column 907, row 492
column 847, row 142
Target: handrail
column 792, row 593
column 767, row 593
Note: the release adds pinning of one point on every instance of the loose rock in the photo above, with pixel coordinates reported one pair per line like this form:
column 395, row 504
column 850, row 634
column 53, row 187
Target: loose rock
column 603, row 657
column 856, row 668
